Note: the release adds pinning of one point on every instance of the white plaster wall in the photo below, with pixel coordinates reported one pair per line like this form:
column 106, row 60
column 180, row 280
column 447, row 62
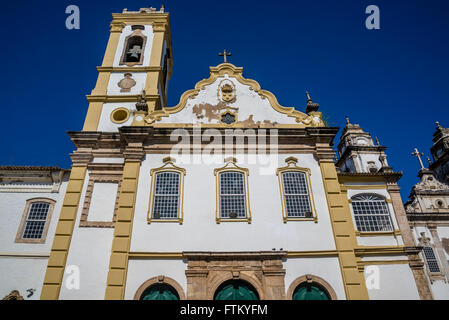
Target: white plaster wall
column 366, row 157
column 90, row 250
column 200, row 232
column 106, row 124
column 247, row 101
column 139, row 77
column 327, row 268
column 102, row 203
column 140, row 271
column 12, row 206
column 148, row 32
column 440, row 290
column 443, row 232
column 108, row 160
column 22, row 274
column 396, row 282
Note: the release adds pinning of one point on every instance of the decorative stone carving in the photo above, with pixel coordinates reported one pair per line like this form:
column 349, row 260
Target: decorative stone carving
column 429, row 182
column 226, row 91
column 13, row 295
column 126, row 83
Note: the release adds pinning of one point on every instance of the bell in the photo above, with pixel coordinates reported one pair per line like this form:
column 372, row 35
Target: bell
column 135, row 52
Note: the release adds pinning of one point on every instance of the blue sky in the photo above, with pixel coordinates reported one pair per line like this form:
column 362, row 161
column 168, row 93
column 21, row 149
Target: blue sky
column 393, row 81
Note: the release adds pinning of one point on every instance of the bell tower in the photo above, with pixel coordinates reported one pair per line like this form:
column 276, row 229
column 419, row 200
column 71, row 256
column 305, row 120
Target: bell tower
column 136, row 69
column 358, row 153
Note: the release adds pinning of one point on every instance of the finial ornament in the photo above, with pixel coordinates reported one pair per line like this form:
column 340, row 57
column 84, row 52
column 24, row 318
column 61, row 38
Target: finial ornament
column 311, row 106
column 377, row 141
column 308, row 96
column 225, row 54
column 429, row 161
column 142, row 104
column 418, row 155
column 347, row 120
column 438, row 125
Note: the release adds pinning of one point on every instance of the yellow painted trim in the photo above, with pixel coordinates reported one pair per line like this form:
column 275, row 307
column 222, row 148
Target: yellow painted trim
column 232, row 71
column 63, row 235
column 364, row 187
column 118, row 110
column 344, row 233
column 305, row 254
column 292, row 167
column 118, row 263
column 378, row 234
column 230, row 166
column 156, row 255
column 379, row 251
column 383, row 262
column 167, row 167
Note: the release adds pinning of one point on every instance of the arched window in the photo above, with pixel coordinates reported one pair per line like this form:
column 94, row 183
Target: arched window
column 310, row 291
column 35, row 220
column 296, row 196
column 167, row 193
column 371, row 213
column 134, row 47
column 236, row 290
column 160, row 291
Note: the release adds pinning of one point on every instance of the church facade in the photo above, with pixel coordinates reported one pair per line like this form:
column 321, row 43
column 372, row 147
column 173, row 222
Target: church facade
column 227, row 195
column 428, row 213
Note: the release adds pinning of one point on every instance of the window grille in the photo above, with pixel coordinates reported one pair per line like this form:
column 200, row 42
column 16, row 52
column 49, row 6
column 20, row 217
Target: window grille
column 431, row 260
column 35, row 221
column 371, row 214
column 296, row 193
column 232, row 195
column 166, row 195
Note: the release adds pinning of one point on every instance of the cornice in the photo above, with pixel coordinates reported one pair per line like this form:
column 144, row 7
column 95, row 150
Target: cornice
column 128, row 69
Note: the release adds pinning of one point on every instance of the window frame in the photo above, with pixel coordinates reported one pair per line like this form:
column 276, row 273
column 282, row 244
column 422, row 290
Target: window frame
column 135, row 33
column 292, row 167
column 231, row 166
column 22, row 225
column 393, row 231
column 168, row 166
column 424, row 241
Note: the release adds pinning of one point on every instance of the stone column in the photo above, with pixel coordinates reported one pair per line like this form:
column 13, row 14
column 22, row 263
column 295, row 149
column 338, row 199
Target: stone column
column 415, row 261
column 197, row 284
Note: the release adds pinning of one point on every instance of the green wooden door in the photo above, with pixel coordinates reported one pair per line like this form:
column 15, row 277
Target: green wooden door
column 310, row 292
column 159, row 292
column 236, row 290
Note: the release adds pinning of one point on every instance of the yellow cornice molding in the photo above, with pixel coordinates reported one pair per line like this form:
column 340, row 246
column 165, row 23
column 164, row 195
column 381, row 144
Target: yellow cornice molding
column 156, row 255
column 120, row 98
column 379, row 251
column 301, row 254
column 141, row 18
column 236, row 72
column 128, row 69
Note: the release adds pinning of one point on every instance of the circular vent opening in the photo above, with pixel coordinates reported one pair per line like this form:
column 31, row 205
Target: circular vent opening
column 120, row 115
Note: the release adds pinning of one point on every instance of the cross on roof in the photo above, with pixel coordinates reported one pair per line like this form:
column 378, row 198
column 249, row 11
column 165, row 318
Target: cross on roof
column 224, row 54
column 418, row 155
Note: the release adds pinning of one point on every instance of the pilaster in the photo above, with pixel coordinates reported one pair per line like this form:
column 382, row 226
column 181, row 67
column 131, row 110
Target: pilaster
column 118, row 263
column 344, row 233
column 61, row 243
